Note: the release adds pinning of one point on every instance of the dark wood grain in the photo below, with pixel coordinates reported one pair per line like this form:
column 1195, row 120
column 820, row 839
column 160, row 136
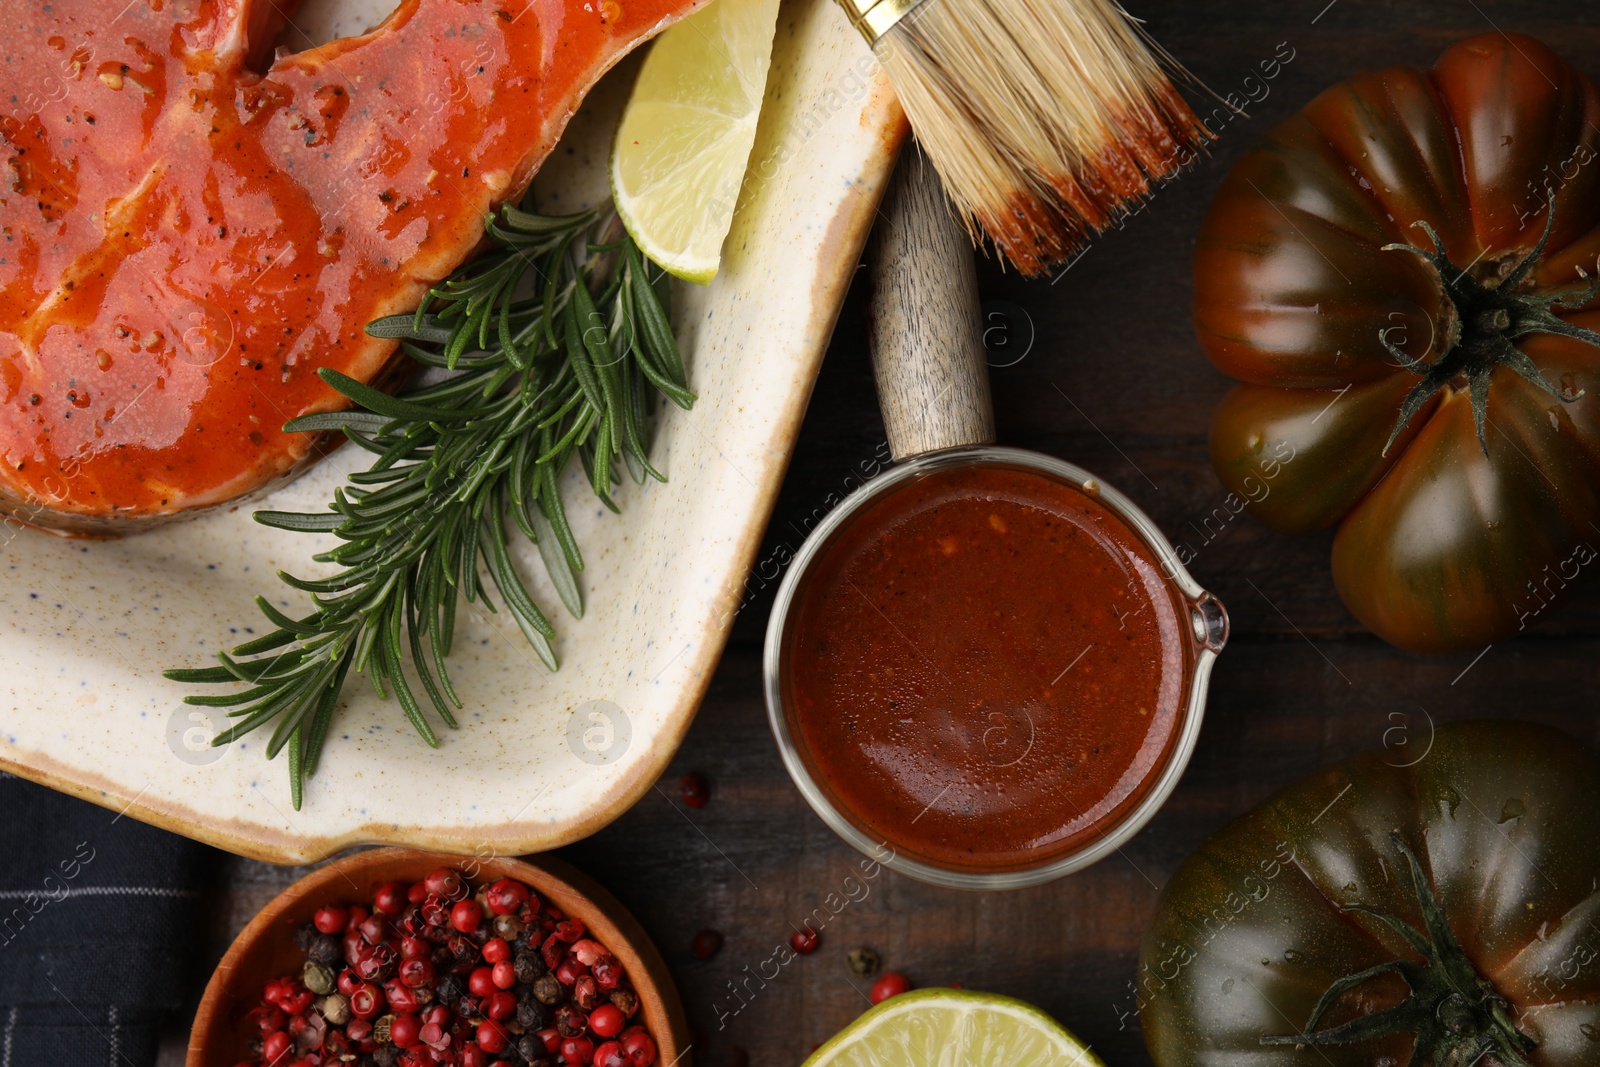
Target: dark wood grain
column 1115, row 382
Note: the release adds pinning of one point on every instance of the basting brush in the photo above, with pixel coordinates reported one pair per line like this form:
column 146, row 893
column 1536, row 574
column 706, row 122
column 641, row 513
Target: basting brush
column 1046, row 119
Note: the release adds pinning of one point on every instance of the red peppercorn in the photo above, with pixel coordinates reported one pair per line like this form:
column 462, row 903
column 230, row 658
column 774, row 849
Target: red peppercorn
column 504, row 974
column 501, row 1004
column 570, row 930
column 607, row 972
column 587, row 951
column 265, row 1019
column 553, row 951
column 705, row 944
column 401, row 998
column 374, row 929
column 610, row 1054
column 367, row 1001
column 412, row 948
column 435, row 910
column 639, row 1048
column 551, row 1038
column 569, row 971
column 586, row 992
column 694, row 789
column 348, row 982
column 275, row 1047
column 444, row 882
column 405, row 1030
column 506, row 896
column 417, row 892
column 330, row 919
column 296, row 1004
column 496, row 950
column 892, row 984
column 480, row 983
column 376, row 963
column 805, row 941
column 358, row 915
column 391, row 898
column 466, row 916
column 358, row 1030
column 607, row 1020
column 417, row 973
column 492, row 1037
column 577, row 1050
column 473, row 1056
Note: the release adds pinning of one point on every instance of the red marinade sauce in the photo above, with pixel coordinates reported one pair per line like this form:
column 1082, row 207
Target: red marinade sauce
column 986, row 668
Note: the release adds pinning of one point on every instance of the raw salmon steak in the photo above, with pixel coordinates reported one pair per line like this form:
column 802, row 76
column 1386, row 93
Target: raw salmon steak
column 190, row 230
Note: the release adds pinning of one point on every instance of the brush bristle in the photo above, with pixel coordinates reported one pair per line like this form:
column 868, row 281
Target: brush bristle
column 1046, row 119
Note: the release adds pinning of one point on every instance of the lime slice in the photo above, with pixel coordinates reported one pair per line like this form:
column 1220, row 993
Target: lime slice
column 685, row 136
column 954, row 1026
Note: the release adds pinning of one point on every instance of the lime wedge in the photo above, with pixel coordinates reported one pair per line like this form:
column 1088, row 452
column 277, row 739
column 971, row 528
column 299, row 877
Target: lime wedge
column 684, row 140
column 954, row 1026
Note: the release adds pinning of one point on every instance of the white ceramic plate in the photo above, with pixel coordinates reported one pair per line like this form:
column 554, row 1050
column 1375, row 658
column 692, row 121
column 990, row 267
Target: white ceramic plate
column 541, row 759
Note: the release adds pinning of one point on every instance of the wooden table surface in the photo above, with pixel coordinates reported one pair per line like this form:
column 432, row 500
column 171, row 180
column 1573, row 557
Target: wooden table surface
column 1113, row 381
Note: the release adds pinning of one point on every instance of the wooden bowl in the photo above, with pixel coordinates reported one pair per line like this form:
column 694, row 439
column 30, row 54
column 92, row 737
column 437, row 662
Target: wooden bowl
column 265, row 948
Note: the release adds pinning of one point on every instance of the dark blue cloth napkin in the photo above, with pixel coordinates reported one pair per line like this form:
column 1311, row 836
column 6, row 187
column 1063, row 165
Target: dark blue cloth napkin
column 99, row 918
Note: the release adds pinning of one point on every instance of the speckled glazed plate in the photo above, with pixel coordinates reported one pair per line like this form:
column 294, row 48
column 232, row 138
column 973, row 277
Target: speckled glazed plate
column 541, row 759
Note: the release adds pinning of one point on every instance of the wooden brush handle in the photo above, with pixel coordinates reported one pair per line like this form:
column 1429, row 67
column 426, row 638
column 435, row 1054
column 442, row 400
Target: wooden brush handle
column 924, row 327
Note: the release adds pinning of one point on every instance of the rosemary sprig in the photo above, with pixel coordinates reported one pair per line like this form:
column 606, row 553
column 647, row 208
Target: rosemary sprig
column 524, row 382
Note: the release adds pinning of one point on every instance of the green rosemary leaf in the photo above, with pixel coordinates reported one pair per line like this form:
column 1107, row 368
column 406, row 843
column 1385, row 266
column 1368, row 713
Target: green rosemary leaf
column 409, row 327
column 380, row 402
column 556, row 344
column 554, row 557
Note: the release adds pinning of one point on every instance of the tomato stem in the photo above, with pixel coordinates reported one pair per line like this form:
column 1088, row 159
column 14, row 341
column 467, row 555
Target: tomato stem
column 1489, row 318
column 1455, row 1013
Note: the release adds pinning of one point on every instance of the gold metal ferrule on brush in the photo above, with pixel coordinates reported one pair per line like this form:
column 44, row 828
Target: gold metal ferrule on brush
column 874, row 17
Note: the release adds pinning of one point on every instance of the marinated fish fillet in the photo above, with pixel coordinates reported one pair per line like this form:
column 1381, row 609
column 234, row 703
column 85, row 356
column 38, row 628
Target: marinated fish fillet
column 189, row 231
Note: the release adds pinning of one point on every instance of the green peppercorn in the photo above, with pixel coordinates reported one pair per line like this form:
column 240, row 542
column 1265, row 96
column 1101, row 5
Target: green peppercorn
column 318, row 978
column 863, row 962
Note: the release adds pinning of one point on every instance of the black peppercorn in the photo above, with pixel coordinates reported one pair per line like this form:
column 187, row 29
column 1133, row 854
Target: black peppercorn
column 325, row 950
column 463, row 949
column 529, row 966
column 469, row 1008
column 548, row 990
column 529, row 1047
column 304, row 936
column 387, row 1056
column 531, row 1014
column 450, row 989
